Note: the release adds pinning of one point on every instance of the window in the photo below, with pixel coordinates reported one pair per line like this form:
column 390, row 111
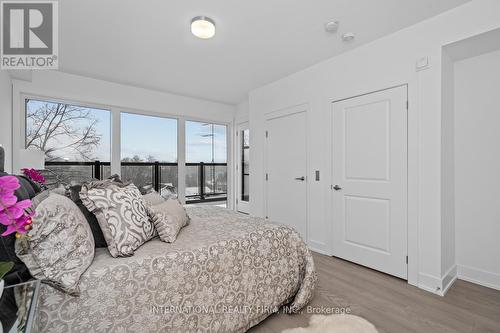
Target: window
column 149, row 152
column 76, row 139
column 206, row 162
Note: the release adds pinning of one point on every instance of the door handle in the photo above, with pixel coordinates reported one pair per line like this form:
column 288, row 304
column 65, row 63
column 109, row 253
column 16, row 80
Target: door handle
column 337, row 188
column 301, row 178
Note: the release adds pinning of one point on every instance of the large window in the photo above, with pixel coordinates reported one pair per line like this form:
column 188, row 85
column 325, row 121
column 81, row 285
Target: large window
column 149, row 152
column 76, row 139
column 206, row 161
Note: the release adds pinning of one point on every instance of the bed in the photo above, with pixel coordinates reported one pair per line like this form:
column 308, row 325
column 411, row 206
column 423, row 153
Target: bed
column 226, row 272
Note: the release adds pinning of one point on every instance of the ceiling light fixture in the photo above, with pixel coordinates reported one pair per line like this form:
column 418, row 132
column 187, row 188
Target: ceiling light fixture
column 203, row 27
column 331, row 26
column 348, row 36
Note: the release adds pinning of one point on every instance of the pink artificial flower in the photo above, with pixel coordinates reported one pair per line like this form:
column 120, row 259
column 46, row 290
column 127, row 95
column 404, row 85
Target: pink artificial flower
column 18, row 225
column 7, row 200
column 34, row 175
column 12, row 213
column 8, row 184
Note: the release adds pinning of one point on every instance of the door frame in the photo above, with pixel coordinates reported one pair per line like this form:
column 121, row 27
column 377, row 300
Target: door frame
column 330, row 145
column 279, row 114
column 237, row 163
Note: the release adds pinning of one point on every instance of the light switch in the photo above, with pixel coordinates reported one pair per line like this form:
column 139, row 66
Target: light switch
column 317, row 175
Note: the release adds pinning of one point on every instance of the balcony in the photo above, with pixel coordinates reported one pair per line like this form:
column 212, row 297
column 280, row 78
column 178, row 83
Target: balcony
column 205, row 182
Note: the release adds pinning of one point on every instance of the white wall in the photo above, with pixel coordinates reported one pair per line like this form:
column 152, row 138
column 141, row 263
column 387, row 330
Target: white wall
column 381, row 64
column 477, row 170
column 242, row 112
column 6, row 117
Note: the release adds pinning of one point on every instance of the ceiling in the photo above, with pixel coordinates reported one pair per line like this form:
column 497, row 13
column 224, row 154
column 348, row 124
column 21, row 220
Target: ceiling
column 148, row 43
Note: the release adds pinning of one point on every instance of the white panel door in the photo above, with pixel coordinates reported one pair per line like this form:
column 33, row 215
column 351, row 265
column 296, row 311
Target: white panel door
column 370, row 180
column 286, row 170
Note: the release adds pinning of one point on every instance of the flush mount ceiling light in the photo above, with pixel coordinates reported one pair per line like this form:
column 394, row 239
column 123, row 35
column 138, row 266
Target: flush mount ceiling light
column 203, row 27
column 331, row 26
column 348, row 36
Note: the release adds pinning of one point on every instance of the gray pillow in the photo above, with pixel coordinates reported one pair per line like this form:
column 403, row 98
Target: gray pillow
column 121, row 214
column 153, row 198
column 60, row 246
column 169, row 218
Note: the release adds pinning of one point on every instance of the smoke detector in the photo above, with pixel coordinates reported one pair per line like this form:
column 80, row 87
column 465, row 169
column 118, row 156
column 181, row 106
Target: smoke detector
column 331, row 26
column 348, row 36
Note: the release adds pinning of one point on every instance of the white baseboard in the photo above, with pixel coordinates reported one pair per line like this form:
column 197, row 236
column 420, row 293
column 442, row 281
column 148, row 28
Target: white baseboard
column 317, row 247
column 478, row 276
column 449, row 278
column 437, row 285
column 430, row 283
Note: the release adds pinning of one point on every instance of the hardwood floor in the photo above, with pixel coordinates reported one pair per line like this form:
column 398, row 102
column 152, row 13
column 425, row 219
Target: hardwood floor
column 392, row 305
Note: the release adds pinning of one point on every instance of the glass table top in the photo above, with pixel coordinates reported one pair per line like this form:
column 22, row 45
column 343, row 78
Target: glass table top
column 18, row 307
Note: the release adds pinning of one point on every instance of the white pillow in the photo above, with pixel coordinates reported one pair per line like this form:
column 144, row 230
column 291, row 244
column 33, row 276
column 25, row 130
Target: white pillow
column 153, row 198
column 169, row 218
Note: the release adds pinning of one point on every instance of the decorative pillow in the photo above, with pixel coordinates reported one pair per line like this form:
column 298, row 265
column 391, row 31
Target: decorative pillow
column 74, row 194
column 168, row 218
column 167, row 191
column 121, row 214
column 153, row 198
column 60, row 247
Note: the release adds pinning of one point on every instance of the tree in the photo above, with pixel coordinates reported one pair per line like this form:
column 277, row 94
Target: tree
column 142, row 175
column 135, row 158
column 61, row 130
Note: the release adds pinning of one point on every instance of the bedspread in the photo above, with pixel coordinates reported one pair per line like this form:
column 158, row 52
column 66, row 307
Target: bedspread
column 226, row 272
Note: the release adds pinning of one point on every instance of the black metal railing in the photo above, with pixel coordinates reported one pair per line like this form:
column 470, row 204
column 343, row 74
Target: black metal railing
column 204, row 181
column 66, row 171
column 210, row 182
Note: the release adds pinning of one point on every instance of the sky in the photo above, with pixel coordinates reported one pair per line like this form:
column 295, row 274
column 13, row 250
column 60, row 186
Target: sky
column 152, row 136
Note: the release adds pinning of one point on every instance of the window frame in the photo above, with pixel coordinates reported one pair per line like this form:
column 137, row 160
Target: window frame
column 115, row 161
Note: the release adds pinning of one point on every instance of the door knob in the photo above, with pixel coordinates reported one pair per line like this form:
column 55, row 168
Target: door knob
column 337, row 188
column 301, row 178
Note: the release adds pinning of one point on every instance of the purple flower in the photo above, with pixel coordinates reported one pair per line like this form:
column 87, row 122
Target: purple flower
column 12, row 213
column 34, row 175
column 7, row 200
column 18, row 225
column 8, row 184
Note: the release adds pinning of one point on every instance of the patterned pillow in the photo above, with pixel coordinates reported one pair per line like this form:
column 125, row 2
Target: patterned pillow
column 153, row 198
column 168, row 218
column 60, row 247
column 121, row 214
